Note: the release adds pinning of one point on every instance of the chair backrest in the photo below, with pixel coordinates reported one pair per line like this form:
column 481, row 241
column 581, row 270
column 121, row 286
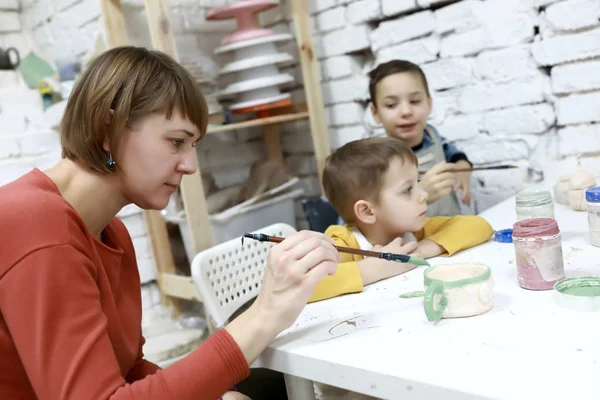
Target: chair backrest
column 229, row 275
column 319, row 213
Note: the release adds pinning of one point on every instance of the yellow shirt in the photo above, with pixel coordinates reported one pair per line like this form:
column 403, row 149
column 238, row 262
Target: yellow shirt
column 452, row 233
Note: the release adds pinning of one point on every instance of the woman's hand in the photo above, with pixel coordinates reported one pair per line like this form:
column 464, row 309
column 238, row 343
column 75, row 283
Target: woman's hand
column 294, row 268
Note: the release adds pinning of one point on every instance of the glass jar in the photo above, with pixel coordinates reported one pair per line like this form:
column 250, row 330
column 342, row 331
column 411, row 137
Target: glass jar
column 534, row 204
column 592, row 197
column 538, row 253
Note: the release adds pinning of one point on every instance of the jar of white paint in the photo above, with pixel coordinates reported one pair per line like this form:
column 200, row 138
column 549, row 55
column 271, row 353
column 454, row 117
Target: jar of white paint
column 534, row 204
column 592, row 197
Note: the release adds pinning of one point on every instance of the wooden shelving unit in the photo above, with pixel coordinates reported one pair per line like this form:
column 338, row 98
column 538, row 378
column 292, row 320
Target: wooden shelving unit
column 276, row 119
column 173, row 286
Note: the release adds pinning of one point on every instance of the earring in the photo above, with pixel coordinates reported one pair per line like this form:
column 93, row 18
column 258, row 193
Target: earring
column 110, row 163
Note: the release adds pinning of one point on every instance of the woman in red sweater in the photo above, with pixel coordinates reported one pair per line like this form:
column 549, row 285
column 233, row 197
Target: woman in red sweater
column 70, row 307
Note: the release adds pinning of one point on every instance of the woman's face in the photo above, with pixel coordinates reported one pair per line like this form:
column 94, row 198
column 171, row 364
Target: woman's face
column 153, row 157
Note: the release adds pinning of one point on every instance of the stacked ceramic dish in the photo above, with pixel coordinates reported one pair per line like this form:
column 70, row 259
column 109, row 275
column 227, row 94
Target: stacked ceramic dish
column 207, row 84
column 256, row 59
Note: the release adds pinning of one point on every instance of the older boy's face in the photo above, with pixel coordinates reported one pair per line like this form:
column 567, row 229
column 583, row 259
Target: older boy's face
column 402, row 107
column 402, row 204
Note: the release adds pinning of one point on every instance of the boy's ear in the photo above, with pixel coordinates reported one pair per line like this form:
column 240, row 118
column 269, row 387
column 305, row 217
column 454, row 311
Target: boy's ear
column 364, row 212
column 374, row 112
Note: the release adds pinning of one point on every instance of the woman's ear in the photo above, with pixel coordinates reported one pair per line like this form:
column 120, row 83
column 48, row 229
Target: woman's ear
column 107, row 121
column 364, row 212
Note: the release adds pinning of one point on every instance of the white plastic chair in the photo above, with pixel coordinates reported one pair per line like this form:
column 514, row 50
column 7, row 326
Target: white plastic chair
column 229, row 275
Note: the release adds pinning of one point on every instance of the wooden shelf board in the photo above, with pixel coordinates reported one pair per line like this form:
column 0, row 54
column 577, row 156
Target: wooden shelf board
column 278, row 119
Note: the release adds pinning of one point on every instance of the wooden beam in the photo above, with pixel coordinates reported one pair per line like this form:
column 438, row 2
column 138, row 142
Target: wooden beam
column 312, row 84
column 192, row 191
column 162, row 253
column 116, row 34
column 182, row 287
column 277, row 119
column 114, row 23
column 159, row 23
column 272, row 140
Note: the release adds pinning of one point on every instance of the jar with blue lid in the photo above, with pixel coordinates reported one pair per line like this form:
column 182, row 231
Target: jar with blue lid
column 592, row 198
column 534, row 204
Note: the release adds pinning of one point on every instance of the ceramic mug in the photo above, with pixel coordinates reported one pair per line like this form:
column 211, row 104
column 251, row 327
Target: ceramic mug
column 5, row 59
column 458, row 290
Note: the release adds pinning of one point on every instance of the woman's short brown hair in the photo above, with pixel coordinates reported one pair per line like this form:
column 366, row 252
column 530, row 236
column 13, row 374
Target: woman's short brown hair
column 355, row 171
column 132, row 82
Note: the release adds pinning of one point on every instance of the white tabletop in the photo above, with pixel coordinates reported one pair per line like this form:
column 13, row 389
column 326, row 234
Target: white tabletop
column 526, row 347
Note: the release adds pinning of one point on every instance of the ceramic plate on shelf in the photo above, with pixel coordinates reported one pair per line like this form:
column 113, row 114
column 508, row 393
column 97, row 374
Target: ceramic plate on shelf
column 239, row 8
column 259, row 101
column 253, row 84
column 254, row 62
column 279, row 37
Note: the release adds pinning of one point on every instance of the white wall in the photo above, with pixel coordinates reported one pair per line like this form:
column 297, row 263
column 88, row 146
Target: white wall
column 512, row 81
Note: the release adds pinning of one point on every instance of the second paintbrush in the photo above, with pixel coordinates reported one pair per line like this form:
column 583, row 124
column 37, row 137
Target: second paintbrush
column 402, row 258
column 495, row 167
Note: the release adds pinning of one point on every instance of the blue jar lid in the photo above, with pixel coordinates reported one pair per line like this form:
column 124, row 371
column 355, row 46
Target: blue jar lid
column 503, row 236
column 593, row 195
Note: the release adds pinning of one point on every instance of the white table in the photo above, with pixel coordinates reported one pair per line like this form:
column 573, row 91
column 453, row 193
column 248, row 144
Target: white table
column 526, row 347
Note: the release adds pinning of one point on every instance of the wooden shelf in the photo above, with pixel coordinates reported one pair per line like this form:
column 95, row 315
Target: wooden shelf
column 277, row 119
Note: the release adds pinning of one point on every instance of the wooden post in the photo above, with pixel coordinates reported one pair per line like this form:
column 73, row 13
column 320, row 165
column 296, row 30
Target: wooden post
column 114, row 23
column 192, row 191
column 312, row 85
column 114, row 27
column 272, row 140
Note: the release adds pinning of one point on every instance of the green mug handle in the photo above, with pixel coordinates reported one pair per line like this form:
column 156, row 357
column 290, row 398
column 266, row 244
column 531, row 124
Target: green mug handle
column 432, row 313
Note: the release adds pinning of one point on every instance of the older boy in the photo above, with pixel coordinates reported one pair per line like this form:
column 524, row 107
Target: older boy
column 401, row 102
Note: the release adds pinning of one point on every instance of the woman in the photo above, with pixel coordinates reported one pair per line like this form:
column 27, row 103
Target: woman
column 70, row 308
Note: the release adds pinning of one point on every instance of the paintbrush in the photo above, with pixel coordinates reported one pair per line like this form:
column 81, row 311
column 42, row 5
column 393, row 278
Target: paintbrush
column 402, row 258
column 479, row 168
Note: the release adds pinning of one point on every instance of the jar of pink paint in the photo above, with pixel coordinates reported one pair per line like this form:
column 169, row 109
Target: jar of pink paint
column 538, row 252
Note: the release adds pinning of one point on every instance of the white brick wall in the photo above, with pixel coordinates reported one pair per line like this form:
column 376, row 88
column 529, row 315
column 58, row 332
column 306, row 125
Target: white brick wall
column 392, row 7
column 576, row 77
column 363, row 11
column 400, row 30
column 572, row 15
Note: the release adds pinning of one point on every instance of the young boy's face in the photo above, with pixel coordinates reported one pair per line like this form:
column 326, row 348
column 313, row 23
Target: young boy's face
column 402, row 204
column 402, row 106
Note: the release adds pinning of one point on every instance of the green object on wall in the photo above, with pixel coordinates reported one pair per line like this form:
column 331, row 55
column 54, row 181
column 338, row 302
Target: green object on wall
column 33, row 69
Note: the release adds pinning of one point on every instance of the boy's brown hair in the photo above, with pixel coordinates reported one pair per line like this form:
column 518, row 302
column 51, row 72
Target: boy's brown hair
column 355, row 171
column 390, row 68
column 130, row 83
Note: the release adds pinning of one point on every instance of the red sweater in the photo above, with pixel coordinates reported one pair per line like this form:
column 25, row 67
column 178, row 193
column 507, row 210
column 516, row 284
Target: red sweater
column 70, row 311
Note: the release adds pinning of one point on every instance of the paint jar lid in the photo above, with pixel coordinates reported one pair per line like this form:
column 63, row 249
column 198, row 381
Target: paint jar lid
column 593, row 195
column 580, row 294
column 533, row 198
column 503, row 236
column 535, row 227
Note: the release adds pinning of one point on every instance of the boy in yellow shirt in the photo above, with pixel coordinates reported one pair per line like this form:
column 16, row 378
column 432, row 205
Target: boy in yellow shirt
column 372, row 184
